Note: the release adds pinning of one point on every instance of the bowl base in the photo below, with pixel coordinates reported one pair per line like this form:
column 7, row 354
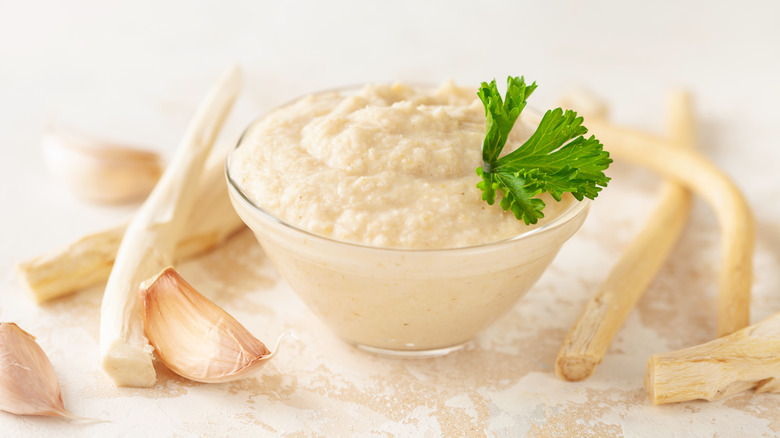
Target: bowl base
column 411, row 354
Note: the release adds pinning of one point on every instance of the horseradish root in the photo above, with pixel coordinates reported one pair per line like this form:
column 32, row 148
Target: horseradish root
column 747, row 359
column 101, row 171
column 693, row 170
column 194, row 337
column 150, row 239
column 88, row 261
column 604, row 314
column 28, row 383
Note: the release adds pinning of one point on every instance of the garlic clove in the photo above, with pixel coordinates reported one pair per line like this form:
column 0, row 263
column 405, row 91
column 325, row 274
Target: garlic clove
column 101, row 171
column 194, row 337
column 28, row 384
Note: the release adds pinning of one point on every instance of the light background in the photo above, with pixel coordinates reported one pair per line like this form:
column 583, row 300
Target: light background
column 134, row 71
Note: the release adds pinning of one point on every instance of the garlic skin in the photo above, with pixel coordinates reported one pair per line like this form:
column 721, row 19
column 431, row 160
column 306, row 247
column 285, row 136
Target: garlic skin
column 100, row 171
column 28, row 383
column 194, row 337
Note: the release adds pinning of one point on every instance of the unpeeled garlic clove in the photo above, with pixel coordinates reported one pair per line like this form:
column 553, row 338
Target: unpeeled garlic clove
column 194, row 337
column 28, row 384
column 101, row 171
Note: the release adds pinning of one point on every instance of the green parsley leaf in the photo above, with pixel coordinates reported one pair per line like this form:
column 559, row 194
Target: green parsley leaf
column 501, row 115
column 555, row 160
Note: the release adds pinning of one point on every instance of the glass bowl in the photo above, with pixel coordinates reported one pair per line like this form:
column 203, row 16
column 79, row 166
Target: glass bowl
column 405, row 302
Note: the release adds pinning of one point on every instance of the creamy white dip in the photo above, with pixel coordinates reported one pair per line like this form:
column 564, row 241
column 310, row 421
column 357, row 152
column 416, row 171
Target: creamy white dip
column 386, row 166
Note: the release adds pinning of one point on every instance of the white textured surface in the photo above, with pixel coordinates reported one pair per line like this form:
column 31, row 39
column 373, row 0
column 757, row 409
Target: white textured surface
column 136, row 70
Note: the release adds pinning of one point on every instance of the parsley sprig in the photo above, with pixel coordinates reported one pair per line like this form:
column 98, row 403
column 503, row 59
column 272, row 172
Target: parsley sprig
column 556, row 159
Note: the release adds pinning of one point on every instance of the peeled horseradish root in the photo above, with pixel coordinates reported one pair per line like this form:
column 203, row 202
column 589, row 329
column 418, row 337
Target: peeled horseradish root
column 151, row 238
column 28, row 384
column 194, row 337
column 606, row 311
column 746, row 359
